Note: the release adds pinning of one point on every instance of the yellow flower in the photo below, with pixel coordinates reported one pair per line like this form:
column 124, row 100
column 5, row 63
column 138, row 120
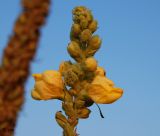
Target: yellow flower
column 48, row 85
column 102, row 90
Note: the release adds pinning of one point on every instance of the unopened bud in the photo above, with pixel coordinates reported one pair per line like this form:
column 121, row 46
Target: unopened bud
column 75, row 29
column 91, row 64
column 83, row 113
column 61, row 119
column 94, row 42
column 85, row 35
column 93, row 26
column 74, row 49
column 89, row 16
column 81, row 17
column 80, row 103
column 84, row 23
column 68, row 108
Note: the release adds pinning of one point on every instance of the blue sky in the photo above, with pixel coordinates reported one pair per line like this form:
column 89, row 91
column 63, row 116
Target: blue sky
column 130, row 30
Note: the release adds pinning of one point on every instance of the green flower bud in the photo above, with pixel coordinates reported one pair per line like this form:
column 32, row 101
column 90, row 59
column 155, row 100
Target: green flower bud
column 76, row 29
column 84, row 23
column 79, row 103
column 78, row 10
column 95, row 42
column 61, row 119
column 81, row 17
column 74, row 37
column 83, row 113
column 75, row 19
column 93, row 26
column 68, row 108
column 89, row 16
column 93, row 45
column 85, row 35
column 91, row 64
column 78, row 18
column 74, row 49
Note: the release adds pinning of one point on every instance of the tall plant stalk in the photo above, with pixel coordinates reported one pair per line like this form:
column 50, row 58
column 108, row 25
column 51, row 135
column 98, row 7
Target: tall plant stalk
column 17, row 57
column 81, row 83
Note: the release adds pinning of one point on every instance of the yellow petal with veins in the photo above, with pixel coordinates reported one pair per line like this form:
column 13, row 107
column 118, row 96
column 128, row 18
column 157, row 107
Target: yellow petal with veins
column 103, row 81
column 102, row 91
column 48, row 85
column 53, row 78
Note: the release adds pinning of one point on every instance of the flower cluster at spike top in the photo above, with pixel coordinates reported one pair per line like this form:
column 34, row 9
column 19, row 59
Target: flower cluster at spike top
column 81, row 83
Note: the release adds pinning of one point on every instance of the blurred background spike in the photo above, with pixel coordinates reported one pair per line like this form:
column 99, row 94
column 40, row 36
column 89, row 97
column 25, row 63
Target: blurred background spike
column 16, row 60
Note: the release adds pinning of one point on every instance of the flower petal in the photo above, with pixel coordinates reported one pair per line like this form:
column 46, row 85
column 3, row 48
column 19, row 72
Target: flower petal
column 53, row 77
column 35, row 95
column 37, row 76
column 49, row 85
column 103, row 81
column 102, row 90
column 104, row 95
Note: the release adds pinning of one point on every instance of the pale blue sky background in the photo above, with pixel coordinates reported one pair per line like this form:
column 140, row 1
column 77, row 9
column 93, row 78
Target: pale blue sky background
column 130, row 53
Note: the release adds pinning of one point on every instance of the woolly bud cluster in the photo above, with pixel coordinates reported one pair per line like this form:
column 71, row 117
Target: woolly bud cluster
column 83, row 43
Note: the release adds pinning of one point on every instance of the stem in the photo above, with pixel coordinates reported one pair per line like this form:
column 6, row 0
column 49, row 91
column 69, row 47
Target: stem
column 70, row 110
